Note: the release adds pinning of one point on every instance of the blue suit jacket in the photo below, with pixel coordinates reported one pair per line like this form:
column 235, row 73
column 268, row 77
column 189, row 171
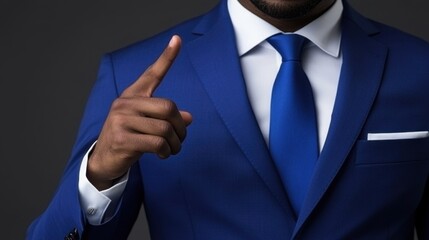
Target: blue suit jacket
column 224, row 185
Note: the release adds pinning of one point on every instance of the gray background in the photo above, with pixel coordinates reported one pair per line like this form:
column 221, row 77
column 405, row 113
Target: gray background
column 49, row 55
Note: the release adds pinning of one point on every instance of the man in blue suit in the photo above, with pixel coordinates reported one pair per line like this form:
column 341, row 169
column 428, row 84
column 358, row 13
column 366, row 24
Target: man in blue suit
column 371, row 177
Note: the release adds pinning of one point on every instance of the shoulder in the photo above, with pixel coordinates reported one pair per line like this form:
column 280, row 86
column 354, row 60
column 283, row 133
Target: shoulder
column 187, row 30
column 151, row 47
column 394, row 39
column 399, row 40
column 407, row 53
column 126, row 64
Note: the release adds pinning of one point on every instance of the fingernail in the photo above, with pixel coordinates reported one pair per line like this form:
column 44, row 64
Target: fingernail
column 172, row 40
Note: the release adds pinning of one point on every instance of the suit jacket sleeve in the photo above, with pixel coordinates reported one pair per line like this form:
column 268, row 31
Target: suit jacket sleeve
column 64, row 213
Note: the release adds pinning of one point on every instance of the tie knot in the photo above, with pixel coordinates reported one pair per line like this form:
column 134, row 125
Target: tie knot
column 288, row 45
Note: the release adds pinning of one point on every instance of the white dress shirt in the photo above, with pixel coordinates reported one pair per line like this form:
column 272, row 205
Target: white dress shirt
column 260, row 63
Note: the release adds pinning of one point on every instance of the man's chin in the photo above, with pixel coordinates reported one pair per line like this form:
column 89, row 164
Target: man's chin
column 286, row 9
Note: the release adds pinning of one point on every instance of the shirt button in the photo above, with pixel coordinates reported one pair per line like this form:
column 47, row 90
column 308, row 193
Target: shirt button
column 91, row 211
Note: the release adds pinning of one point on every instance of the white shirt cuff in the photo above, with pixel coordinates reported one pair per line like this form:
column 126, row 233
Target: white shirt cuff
column 99, row 206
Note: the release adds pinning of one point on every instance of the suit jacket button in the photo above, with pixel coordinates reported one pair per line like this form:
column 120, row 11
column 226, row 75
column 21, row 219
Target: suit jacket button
column 73, row 235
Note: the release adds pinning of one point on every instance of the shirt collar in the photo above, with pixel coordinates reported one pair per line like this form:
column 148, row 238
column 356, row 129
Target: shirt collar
column 250, row 30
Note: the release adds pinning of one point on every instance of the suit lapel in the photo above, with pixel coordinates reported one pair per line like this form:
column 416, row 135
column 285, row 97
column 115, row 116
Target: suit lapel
column 361, row 73
column 215, row 59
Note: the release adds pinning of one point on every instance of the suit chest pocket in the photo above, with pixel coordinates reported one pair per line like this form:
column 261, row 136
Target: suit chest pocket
column 392, row 151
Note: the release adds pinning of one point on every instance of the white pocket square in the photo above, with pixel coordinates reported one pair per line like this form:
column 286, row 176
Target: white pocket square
column 397, row 135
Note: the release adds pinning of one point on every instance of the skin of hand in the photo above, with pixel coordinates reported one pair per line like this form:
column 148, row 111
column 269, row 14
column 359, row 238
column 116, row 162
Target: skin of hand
column 139, row 123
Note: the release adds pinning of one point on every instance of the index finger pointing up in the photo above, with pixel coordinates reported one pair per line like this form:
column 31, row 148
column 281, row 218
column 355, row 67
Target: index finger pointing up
column 152, row 77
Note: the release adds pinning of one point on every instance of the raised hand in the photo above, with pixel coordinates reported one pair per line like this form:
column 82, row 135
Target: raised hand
column 139, row 123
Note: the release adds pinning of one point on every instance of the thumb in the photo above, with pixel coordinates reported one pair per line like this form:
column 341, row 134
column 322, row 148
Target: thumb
column 187, row 117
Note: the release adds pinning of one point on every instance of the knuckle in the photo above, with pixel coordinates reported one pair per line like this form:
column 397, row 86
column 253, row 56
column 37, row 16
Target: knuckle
column 151, row 72
column 118, row 103
column 165, row 128
column 119, row 140
column 117, row 121
column 118, row 134
column 176, row 149
column 159, row 145
column 169, row 107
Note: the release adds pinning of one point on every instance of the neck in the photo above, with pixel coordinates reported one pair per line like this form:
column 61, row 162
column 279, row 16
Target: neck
column 286, row 24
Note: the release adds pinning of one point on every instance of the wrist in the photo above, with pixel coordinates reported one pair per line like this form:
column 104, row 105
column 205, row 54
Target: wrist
column 94, row 177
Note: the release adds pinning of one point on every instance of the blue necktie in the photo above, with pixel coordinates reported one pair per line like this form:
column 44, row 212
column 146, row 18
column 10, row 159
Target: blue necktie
column 293, row 137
